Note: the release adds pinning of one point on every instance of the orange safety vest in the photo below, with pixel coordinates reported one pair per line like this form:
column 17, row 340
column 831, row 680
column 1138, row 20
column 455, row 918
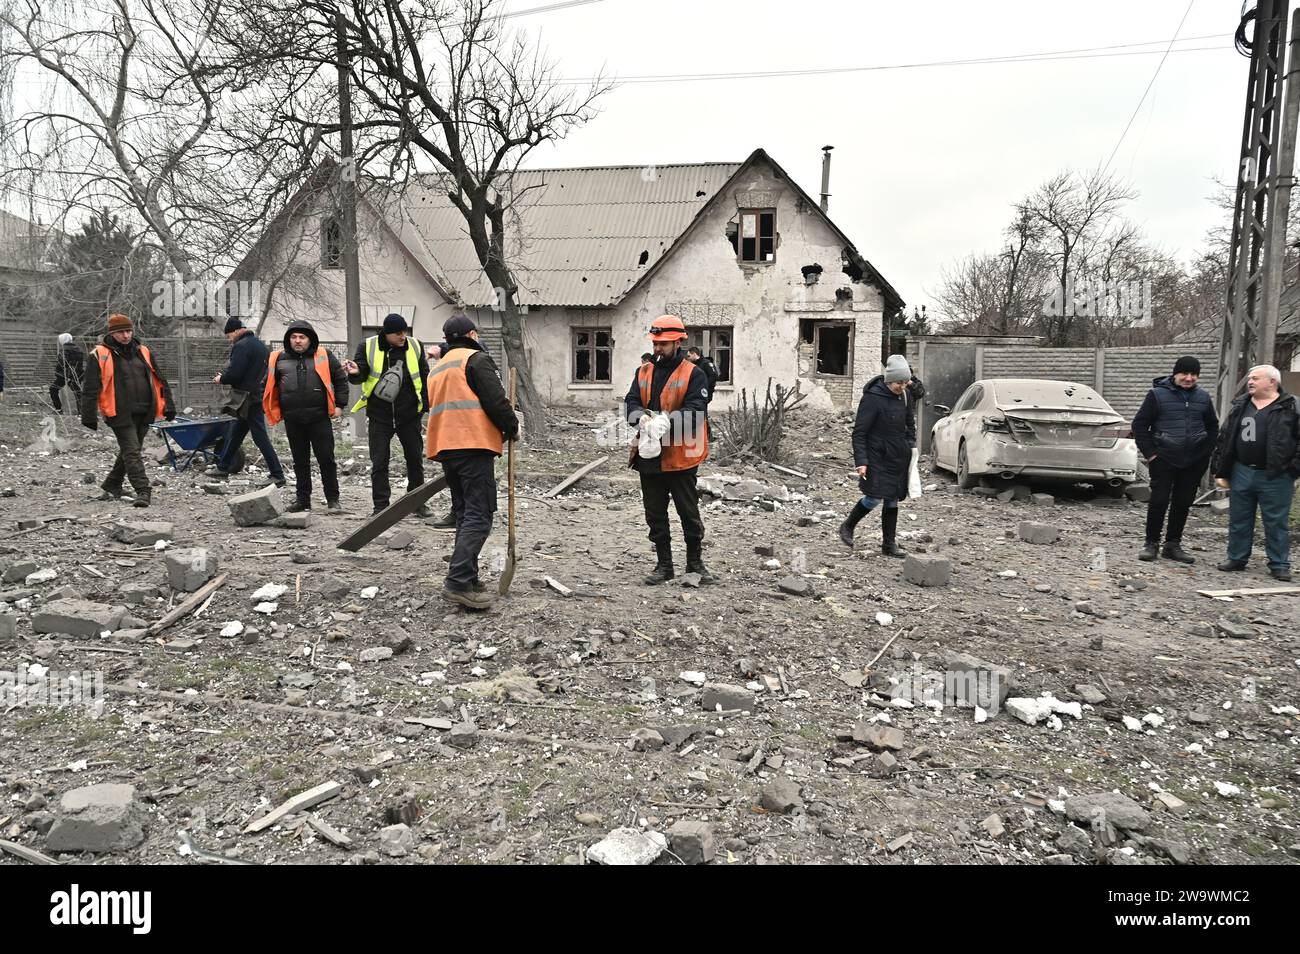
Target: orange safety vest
column 271, row 394
column 457, row 420
column 686, row 453
column 108, row 396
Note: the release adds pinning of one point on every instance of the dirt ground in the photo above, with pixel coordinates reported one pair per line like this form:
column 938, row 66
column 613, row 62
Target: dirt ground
column 215, row 731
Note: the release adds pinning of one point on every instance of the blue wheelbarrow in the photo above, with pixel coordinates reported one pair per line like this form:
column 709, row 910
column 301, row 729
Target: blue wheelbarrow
column 187, row 439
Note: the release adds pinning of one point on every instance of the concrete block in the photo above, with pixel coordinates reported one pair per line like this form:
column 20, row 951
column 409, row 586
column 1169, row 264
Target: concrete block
column 727, row 697
column 99, row 818
column 627, row 846
column 1032, row 532
column 1119, row 810
column 8, row 629
column 260, row 506
column 927, row 570
column 18, row 572
column 879, row 737
column 77, row 618
column 141, row 533
column 294, row 521
column 692, row 841
column 188, row 569
column 1042, row 500
column 1138, row 491
column 970, row 681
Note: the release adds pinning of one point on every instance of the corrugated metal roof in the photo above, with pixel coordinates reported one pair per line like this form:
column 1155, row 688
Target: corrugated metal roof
column 581, row 231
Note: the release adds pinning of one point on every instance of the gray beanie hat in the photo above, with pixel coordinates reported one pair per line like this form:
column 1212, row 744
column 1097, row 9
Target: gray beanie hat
column 897, row 369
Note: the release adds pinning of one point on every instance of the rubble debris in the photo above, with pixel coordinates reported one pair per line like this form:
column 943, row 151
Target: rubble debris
column 795, row 586
column 300, row 802
column 992, row 684
column 781, row 796
column 189, row 605
column 719, row 696
column 645, row 740
column 1033, row 532
column 1042, row 500
column 513, row 685
column 927, row 570
column 189, row 568
column 628, row 846
column 1118, row 810
column 878, row 737
column 97, row 818
column 141, row 533
column 77, row 618
column 692, row 841
column 1138, row 491
column 1034, row 711
column 396, row 841
column 573, row 478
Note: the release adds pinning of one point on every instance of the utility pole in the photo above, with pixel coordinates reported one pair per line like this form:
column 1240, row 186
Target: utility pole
column 348, row 208
column 1263, row 198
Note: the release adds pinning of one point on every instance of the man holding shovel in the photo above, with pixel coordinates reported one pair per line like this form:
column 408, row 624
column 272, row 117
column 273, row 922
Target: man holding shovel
column 469, row 419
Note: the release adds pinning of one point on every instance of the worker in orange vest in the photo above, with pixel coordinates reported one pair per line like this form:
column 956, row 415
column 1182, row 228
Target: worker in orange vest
column 668, row 405
column 123, row 383
column 470, row 418
column 306, row 387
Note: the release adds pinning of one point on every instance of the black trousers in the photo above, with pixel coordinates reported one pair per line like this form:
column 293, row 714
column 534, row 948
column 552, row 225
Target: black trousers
column 472, row 480
column 656, row 489
column 129, row 464
column 307, row 439
column 1172, row 489
column 381, row 430
column 255, row 424
column 56, row 395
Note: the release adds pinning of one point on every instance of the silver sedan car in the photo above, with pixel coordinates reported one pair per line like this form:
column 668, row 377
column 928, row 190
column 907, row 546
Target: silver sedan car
column 1025, row 427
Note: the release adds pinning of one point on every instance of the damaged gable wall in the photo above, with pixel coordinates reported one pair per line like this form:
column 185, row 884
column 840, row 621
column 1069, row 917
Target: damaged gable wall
column 764, row 304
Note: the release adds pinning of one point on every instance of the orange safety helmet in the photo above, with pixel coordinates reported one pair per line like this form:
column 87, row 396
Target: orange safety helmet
column 668, row 328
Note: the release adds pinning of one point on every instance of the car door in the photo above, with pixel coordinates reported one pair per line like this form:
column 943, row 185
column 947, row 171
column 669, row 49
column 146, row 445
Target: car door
column 962, row 415
column 944, row 435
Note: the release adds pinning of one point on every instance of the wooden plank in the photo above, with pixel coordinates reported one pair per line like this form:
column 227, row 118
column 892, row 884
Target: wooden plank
column 574, row 477
column 787, row 470
column 432, row 722
column 393, row 514
column 184, row 609
column 300, row 802
column 559, row 587
column 329, row 833
column 27, row 854
column 1262, row 591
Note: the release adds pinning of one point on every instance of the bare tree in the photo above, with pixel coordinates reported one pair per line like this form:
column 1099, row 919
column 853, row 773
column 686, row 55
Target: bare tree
column 442, row 94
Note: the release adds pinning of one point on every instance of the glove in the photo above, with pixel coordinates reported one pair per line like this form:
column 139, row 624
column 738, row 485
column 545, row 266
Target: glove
column 169, row 414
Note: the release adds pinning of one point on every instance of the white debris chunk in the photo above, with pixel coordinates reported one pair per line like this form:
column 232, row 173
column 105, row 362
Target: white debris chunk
column 884, row 619
column 693, row 677
column 1132, row 724
column 370, row 592
column 1227, row 789
column 267, row 608
column 232, row 628
column 269, row 592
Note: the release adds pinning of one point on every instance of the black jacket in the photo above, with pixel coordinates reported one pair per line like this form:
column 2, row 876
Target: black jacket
column 710, row 370
column 1178, row 425
column 407, row 404
column 247, row 368
column 695, row 400
column 1280, row 426
column 302, row 395
column 485, row 381
column 68, row 366
column 883, row 436
column 914, row 392
column 132, row 385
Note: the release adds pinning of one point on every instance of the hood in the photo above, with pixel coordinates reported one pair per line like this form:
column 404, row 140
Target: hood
column 457, row 341
column 305, row 328
column 877, row 386
column 111, row 342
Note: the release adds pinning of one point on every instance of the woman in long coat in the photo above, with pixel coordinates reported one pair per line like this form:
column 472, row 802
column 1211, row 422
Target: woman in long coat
column 883, row 435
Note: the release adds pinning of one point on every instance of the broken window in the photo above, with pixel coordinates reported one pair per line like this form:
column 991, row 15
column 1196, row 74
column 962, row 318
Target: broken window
column 833, row 349
column 331, row 244
column 592, row 348
column 714, row 343
column 754, row 238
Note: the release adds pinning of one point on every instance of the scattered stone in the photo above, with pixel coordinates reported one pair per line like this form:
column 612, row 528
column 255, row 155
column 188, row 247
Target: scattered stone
column 1201, row 629
column 138, row 594
column 8, row 629
column 993, row 825
column 141, row 533
column 375, row 654
column 1198, row 718
column 1140, row 492
column 293, row 521
column 646, row 740
column 18, row 572
column 77, row 618
column 401, row 540
column 1074, row 839
column 396, row 841
column 927, row 570
column 691, row 580
column 628, row 846
column 781, row 796
column 1171, row 803
column 97, row 818
column 1090, row 694
column 1032, row 532
column 795, row 586
column 692, row 841
column 590, row 819
column 463, row 735
column 879, row 737
column 188, row 569
column 331, row 587
column 1118, row 810
column 719, row 695
column 1006, row 496
column 1034, row 711
column 1042, row 500
column 899, row 843
column 260, row 506
column 882, row 765
column 1176, row 851
column 986, row 492
column 1234, row 630
column 974, row 682
column 1042, row 587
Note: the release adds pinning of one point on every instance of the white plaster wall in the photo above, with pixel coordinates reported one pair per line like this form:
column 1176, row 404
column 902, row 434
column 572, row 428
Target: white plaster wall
column 766, row 302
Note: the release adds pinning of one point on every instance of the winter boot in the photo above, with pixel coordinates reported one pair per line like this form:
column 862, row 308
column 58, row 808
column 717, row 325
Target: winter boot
column 695, row 561
column 888, row 531
column 854, row 517
column 663, row 571
column 1173, row 549
column 1149, row 551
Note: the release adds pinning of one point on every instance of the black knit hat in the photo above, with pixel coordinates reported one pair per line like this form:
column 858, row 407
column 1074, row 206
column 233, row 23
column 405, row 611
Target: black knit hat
column 458, row 326
column 233, row 324
column 1188, row 364
column 394, row 323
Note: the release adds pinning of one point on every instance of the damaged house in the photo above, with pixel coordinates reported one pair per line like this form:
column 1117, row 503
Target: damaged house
column 765, row 281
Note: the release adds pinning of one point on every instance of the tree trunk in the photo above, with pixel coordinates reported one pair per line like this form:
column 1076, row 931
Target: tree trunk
column 531, row 405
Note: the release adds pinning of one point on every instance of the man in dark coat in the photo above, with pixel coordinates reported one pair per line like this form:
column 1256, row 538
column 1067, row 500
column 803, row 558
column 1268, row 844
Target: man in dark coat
column 305, row 387
column 696, row 357
column 246, row 371
column 1258, row 458
column 392, row 350
column 883, row 435
column 68, row 366
column 1175, row 430
column 124, row 383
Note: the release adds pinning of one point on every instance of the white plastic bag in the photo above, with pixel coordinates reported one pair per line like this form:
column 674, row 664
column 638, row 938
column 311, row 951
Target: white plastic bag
column 652, row 429
column 914, row 476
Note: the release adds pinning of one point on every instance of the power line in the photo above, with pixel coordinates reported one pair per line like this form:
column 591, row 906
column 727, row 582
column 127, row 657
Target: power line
column 1138, row 107
column 1086, row 53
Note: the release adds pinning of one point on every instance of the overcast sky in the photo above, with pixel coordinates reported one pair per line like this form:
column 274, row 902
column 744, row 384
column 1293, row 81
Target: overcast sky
column 927, row 161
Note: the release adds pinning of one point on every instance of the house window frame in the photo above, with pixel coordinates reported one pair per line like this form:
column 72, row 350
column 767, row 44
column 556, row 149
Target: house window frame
column 327, row 223
column 708, row 347
column 593, row 349
column 820, row 326
column 758, row 213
